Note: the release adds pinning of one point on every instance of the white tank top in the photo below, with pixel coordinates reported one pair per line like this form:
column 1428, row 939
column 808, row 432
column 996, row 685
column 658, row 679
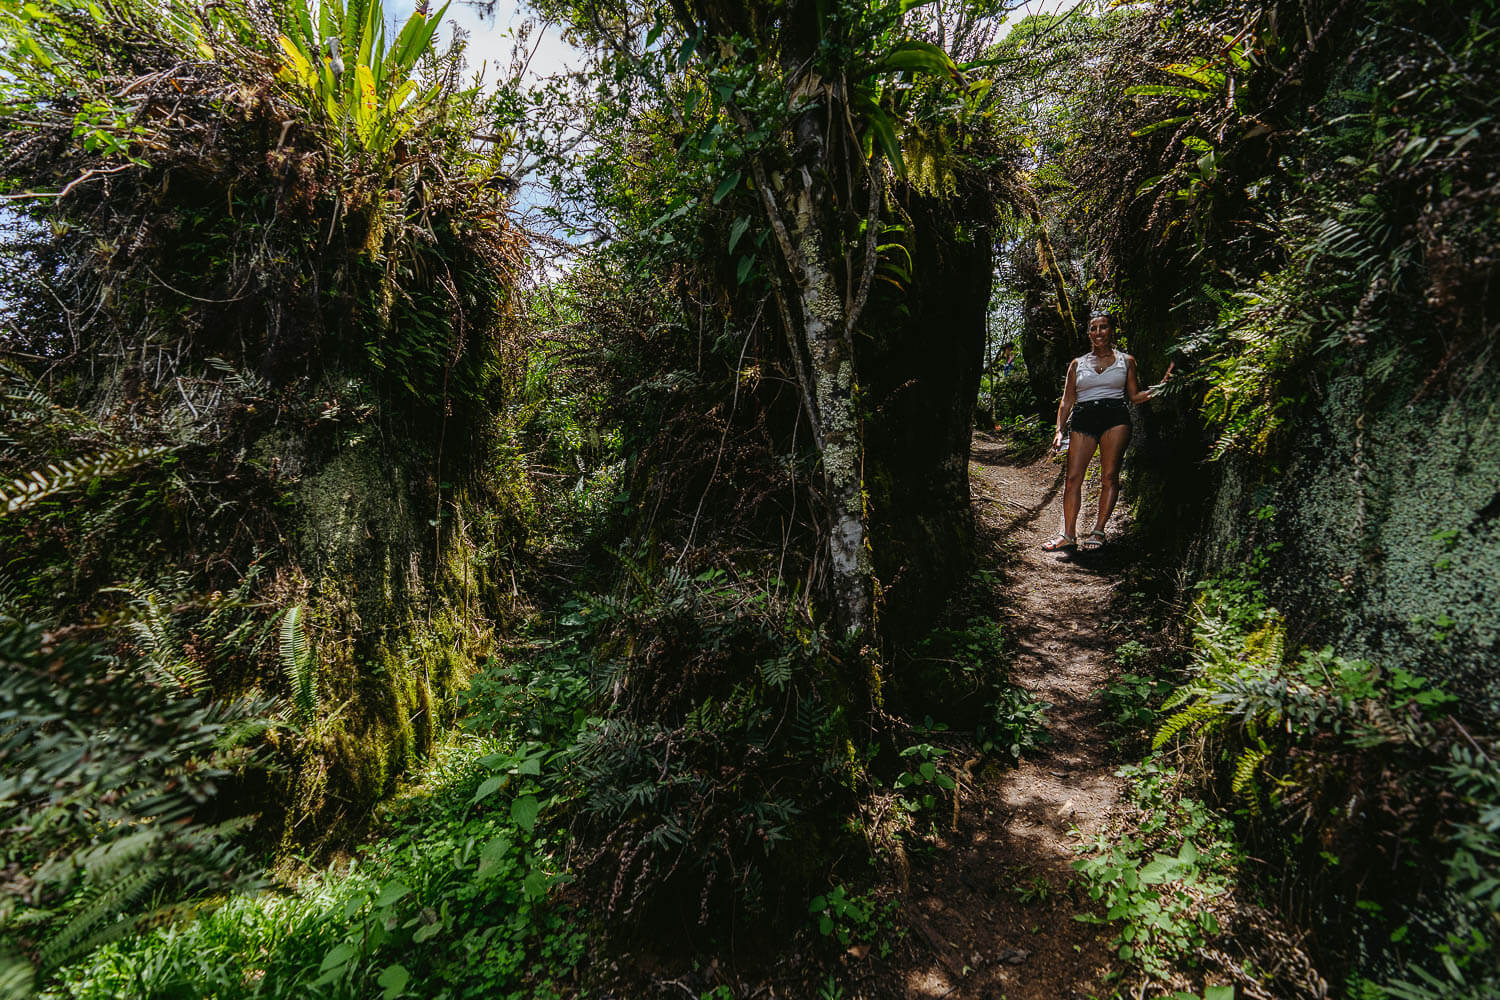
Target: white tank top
column 1108, row 384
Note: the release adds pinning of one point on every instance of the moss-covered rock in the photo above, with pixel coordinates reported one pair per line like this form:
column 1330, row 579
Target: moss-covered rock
column 1382, row 524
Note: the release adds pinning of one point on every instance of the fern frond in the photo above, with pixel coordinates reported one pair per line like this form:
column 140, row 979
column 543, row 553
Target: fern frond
column 1247, row 768
column 42, row 483
column 11, row 597
column 17, row 977
column 105, row 909
column 1200, row 714
column 162, row 655
column 1182, row 696
column 299, row 665
column 244, row 383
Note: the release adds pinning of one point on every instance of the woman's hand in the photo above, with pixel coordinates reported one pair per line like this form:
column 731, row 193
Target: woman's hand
column 1057, row 441
column 1164, row 379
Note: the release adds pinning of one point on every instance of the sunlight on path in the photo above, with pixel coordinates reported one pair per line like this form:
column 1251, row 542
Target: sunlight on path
column 996, row 907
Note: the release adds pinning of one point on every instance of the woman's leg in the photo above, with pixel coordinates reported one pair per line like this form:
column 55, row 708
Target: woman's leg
column 1080, row 453
column 1111, row 455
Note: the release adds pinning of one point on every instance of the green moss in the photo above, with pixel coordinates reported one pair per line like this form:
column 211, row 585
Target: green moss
column 1382, row 530
column 398, row 641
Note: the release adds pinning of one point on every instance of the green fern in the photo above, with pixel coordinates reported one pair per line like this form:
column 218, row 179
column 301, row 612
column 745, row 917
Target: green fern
column 110, row 899
column 299, row 665
column 242, row 383
column 42, row 483
column 1199, row 715
column 79, row 720
column 150, row 624
column 17, row 977
column 1245, row 770
column 11, row 599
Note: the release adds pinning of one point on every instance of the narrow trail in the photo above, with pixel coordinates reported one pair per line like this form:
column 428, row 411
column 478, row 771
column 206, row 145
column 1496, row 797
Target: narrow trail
column 995, row 903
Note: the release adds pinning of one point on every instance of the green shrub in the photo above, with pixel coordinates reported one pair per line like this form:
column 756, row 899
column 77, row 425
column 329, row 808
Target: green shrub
column 1016, row 726
column 111, row 805
column 703, row 787
column 456, row 902
column 1158, row 880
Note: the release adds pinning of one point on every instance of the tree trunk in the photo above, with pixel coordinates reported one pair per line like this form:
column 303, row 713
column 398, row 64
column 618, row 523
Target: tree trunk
column 919, row 372
column 833, row 389
column 818, row 326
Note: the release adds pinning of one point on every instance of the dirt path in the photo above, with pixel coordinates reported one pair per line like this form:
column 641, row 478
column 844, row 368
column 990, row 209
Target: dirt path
column 995, row 903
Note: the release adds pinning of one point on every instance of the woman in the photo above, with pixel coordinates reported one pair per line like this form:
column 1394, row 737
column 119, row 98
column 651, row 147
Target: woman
column 1093, row 407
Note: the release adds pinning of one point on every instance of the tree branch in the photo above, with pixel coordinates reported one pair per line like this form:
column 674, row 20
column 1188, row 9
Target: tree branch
column 872, row 258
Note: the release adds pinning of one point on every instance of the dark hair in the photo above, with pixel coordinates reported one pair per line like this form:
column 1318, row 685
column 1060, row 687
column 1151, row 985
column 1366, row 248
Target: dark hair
column 1109, row 314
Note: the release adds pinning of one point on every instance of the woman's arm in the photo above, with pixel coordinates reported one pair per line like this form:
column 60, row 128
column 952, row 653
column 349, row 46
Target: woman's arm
column 1070, row 393
column 1132, row 391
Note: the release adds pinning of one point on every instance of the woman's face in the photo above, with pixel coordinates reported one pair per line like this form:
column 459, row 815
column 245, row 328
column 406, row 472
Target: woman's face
column 1100, row 330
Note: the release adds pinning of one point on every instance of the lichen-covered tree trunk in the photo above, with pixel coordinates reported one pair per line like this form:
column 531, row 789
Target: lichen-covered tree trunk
column 833, row 390
column 819, row 328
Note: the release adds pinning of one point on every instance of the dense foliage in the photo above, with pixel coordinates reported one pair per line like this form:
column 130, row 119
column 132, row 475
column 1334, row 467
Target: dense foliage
column 314, row 459
column 256, row 374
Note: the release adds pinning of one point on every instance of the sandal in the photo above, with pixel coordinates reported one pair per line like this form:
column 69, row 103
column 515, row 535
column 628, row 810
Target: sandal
column 1093, row 541
column 1059, row 542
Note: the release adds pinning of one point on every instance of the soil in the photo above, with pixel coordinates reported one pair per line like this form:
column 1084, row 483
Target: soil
column 990, row 912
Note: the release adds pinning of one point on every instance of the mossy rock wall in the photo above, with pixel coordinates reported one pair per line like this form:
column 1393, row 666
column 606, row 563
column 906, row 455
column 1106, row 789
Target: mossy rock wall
column 278, row 507
column 1383, row 529
column 401, row 607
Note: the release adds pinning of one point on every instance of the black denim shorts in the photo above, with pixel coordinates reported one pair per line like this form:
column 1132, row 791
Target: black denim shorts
column 1097, row 416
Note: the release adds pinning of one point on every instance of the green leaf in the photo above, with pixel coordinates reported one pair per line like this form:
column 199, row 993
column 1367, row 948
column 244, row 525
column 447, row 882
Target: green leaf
column 1219, row 993
column 685, row 52
column 338, row 957
column 1148, row 184
column 1200, row 74
column 1166, row 90
column 737, row 230
column 1164, row 123
column 489, row 787
column 413, row 40
column 395, row 977
column 918, row 57
column 727, row 185
column 492, row 855
column 535, row 886
column 391, row 893
column 881, row 127
column 426, row 931
column 1159, row 870
column 524, row 811
column 743, row 271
